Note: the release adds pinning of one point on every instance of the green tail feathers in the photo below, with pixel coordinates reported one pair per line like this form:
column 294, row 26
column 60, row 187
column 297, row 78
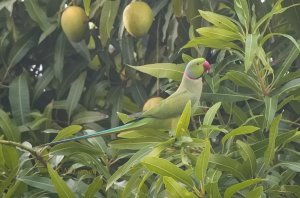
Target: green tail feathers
column 144, row 123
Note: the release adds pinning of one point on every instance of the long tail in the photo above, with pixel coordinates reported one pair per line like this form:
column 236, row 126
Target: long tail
column 125, row 127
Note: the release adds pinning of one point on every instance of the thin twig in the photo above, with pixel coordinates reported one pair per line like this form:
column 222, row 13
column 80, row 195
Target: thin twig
column 30, row 150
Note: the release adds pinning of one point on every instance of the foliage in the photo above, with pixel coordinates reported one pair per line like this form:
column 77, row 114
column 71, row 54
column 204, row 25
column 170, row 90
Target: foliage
column 242, row 142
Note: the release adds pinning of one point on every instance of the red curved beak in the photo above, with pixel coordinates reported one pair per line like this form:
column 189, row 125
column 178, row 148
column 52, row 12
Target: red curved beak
column 207, row 66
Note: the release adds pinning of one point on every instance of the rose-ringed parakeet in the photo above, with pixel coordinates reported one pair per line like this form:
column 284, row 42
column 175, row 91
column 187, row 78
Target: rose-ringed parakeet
column 166, row 114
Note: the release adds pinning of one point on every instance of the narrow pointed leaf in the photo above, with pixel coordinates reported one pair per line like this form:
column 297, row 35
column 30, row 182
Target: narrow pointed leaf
column 134, row 144
column 174, row 189
column 218, row 33
column 248, row 155
column 256, row 192
column 135, row 159
column 184, row 121
column 251, row 46
column 94, row 187
column 68, row 131
column 229, row 192
column 294, row 166
column 163, row 167
column 8, row 128
column 288, row 87
column 19, row 99
column 75, row 93
column 37, row 14
column 42, row 83
column 107, row 18
column 21, row 48
column 227, row 164
column 219, row 20
column 162, row 70
column 242, row 10
column 202, row 162
column 270, row 109
column 59, row 56
column 273, row 133
column 88, row 117
column 42, row 183
column 244, row 80
column 239, row 131
column 210, row 115
column 61, row 187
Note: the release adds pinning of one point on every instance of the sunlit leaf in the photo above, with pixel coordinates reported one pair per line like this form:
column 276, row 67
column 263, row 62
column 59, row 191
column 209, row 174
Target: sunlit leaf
column 218, row 33
column 43, row 183
column 251, row 47
column 68, row 131
column 256, row 192
column 94, row 187
column 134, row 144
column 184, row 121
column 210, row 116
column 242, row 130
column 270, row 109
column 162, row 70
column 163, row 167
column 174, row 189
column 242, row 10
column 248, row 155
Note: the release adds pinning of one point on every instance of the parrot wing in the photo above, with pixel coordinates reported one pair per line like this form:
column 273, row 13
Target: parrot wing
column 170, row 107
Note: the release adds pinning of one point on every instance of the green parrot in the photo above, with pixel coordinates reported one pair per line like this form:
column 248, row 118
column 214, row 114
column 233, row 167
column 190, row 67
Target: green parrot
column 165, row 115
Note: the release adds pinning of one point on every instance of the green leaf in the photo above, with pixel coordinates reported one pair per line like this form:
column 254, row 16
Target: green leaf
column 226, row 97
column 248, row 155
column 242, row 10
column 256, row 192
column 107, row 18
column 202, row 162
column 284, row 67
column 288, row 87
column 19, row 99
column 88, row 117
column 244, row 80
column 82, row 49
column 277, row 9
column 42, row 83
column 210, row 115
column 21, row 48
column 47, row 32
column 8, row 128
column 218, row 33
column 292, row 188
column 134, row 144
column 174, row 189
column 162, row 70
column 163, row 167
column 227, row 164
column 273, row 133
column 59, row 56
column 133, row 183
column 43, row 183
column 270, row 109
column 229, row 192
column 251, row 47
column 70, row 148
column 87, row 6
column 294, row 166
column 219, row 20
column 75, row 93
column 61, row 187
column 135, row 159
column 184, row 121
column 271, row 35
column 177, row 7
column 242, row 130
column 68, row 131
column 37, row 14
column 211, row 43
column 94, row 187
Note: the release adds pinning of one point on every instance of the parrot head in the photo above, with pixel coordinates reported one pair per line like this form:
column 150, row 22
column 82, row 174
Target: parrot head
column 195, row 68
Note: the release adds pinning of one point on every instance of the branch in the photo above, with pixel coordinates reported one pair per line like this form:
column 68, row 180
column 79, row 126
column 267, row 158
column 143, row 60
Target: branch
column 30, row 150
